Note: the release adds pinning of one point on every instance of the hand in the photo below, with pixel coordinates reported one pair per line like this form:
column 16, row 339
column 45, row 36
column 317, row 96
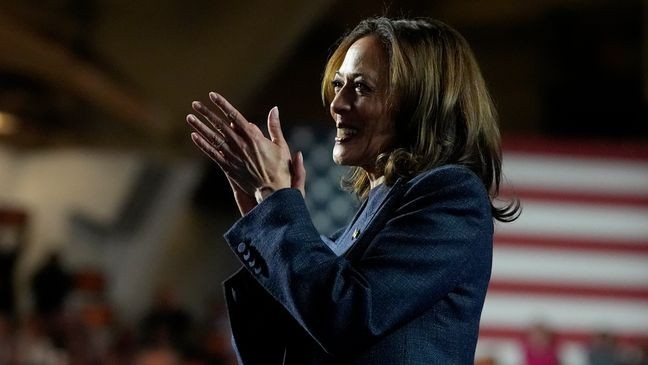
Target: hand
column 298, row 174
column 244, row 202
column 254, row 165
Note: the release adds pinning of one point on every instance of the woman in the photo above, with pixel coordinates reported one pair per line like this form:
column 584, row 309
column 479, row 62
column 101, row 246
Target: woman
column 405, row 282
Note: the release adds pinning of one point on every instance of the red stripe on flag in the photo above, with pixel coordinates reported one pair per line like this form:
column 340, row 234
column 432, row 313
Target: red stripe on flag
column 520, row 334
column 591, row 244
column 634, row 200
column 601, row 149
column 569, row 290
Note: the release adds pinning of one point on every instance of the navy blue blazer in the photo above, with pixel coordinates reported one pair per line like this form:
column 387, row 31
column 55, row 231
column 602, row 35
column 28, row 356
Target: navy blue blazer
column 409, row 290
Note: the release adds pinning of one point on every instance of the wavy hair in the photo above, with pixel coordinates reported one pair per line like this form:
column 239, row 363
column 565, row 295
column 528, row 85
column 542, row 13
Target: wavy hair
column 441, row 104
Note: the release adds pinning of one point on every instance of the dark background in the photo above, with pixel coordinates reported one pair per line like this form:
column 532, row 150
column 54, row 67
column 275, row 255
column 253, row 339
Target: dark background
column 555, row 68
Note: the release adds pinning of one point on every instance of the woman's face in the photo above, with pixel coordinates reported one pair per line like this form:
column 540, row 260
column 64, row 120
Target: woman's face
column 365, row 127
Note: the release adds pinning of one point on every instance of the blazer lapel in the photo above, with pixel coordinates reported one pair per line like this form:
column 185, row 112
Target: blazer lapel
column 372, row 220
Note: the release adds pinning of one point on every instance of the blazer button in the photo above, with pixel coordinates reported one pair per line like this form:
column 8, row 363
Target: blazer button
column 257, row 270
column 241, row 247
column 246, row 255
column 252, row 262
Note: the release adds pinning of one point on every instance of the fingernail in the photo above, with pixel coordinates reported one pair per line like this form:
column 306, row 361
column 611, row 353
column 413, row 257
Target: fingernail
column 195, row 104
column 191, row 118
column 275, row 112
column 213, row 95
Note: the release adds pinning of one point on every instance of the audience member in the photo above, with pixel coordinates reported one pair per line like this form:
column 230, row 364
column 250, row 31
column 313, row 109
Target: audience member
column 50, row 286
column 540, row 347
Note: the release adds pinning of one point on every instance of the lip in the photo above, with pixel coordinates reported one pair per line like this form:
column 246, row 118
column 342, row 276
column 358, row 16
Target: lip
column 347, row 135
column 343, row 124
column 339, row 140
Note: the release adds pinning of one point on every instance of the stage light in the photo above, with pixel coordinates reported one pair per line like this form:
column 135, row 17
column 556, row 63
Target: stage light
column 8, row 123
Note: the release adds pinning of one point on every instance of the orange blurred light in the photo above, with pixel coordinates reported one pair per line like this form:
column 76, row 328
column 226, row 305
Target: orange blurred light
column 8, row 123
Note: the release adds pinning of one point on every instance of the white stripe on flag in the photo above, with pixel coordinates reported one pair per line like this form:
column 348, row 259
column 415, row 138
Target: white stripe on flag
column 562, row 314
column 581, row 220
column 576, row 174
column 543, row 265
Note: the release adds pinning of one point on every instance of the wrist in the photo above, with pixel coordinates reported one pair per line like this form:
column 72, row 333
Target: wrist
column 263, row 192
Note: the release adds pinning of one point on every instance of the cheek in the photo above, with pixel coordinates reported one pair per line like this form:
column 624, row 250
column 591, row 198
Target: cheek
column 383, row 134
column 384, row 125
column 381, row 117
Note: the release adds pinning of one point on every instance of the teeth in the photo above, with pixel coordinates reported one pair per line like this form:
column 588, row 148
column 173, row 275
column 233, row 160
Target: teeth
column 343, row 133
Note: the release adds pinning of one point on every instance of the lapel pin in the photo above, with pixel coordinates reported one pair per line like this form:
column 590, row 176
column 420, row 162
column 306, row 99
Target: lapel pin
column 356, row 233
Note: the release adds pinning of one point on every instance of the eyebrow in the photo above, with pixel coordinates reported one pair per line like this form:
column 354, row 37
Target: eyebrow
column 355, row 74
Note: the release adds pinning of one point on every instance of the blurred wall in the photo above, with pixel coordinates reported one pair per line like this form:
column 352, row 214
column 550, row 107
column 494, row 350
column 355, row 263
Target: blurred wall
column 53, row 185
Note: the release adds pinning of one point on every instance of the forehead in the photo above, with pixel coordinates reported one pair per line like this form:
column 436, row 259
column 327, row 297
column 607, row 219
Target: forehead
column 365, row 56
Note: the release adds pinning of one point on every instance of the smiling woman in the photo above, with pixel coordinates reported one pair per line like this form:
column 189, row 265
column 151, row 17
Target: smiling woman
column 404, row 282
column 364, row 121
column 434, row 92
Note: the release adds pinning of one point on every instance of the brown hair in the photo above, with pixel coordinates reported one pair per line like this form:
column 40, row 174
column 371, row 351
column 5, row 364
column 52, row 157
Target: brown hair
column 442, row 107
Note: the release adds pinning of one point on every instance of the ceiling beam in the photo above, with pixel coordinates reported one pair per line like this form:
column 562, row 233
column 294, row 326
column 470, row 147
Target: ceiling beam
column 27, row 53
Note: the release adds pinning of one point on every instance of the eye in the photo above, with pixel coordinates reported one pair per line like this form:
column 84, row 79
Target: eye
column 337, row 84
column 361, row 87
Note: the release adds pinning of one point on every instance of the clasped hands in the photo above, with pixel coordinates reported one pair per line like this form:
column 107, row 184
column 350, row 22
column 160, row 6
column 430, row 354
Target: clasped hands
column 254, row 165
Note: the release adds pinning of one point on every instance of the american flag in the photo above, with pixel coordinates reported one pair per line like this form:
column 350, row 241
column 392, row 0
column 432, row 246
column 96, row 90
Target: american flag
column 575, row 261
column 577, row 258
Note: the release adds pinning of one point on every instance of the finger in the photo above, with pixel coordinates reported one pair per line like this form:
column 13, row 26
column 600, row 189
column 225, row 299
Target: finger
column 216, row 140
column 233, row 116
column 217, row 122
column 274, row 127
column 228, row 168
column 211, row 152
column 298, row 180
column 209, row 134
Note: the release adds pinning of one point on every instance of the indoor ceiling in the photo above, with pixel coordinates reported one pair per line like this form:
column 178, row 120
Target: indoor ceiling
column 123, row 73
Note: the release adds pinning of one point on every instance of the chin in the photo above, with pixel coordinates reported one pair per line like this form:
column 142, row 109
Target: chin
column 339, row 157
column 346, row 161
column 338, row 160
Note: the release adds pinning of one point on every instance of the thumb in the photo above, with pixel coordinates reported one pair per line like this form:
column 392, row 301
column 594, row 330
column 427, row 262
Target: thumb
column 298, row 180
column 274, row 127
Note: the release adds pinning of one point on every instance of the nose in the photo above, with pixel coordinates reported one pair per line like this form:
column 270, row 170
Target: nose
column 341, row 103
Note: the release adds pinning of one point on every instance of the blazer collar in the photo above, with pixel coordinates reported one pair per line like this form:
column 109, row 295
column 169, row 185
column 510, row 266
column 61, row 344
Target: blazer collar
column 387, row 200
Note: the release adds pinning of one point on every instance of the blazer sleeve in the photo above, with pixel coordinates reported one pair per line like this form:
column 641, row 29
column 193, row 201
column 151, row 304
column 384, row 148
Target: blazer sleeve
column 257, row 321
column 438, row 235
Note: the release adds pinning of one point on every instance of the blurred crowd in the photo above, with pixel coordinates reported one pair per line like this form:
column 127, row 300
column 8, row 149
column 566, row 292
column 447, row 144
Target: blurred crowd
column 541, row 346
column 72, row 323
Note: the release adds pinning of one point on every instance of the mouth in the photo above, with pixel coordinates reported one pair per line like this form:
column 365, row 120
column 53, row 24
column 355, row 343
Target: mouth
column 344, row 134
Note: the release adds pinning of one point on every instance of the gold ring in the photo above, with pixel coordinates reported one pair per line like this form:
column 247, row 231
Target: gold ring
column 222, row 142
